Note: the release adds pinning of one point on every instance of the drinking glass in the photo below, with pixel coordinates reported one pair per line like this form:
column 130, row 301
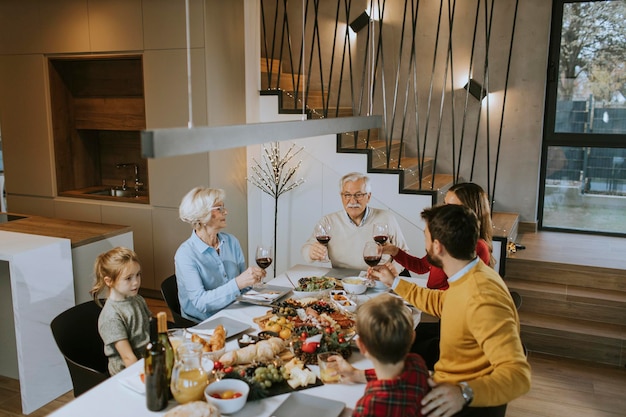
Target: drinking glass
column 263, row 259
column 328, row 369
column 380, row 233
column 322, row 234
column 372, row 252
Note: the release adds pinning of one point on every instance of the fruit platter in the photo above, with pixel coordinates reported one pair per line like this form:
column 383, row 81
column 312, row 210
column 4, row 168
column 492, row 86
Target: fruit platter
column 312, row 325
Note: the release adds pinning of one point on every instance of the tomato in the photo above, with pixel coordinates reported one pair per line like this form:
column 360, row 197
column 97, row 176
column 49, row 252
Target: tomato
column 237, row 395
column 216, row 395
column 303, row 336
column 329, row 330
column 228, row 369
column 341, row 340
column 143, row 377
column 310, row 347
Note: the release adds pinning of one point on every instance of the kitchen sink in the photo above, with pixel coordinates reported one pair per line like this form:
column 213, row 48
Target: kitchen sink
column 118, row 192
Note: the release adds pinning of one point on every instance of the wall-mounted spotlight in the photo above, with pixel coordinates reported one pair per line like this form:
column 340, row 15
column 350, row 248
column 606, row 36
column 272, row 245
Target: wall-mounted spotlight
column 360, row 22
column 475, row 89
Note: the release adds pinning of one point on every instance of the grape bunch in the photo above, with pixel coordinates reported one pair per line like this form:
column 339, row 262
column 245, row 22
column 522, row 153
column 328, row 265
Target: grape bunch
column 323, row 307
column 268, row 375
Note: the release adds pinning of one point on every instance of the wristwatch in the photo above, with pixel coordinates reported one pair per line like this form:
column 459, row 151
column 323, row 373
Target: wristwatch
column 467, row 392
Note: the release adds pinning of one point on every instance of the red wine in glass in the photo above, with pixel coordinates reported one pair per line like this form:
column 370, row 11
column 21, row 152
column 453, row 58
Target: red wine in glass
column 263, row 262
column 372, row 260
column 323, row 239
column 381, row 239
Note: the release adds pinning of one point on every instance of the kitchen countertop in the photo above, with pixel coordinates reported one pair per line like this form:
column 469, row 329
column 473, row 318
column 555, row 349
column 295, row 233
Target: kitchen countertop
column 78, row 232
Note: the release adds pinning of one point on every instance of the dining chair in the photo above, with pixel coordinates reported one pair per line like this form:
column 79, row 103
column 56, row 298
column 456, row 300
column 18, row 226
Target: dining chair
column 76, row 334
column 169, row 290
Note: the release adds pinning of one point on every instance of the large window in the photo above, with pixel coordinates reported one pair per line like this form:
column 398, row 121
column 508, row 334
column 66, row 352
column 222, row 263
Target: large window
column 584, row 152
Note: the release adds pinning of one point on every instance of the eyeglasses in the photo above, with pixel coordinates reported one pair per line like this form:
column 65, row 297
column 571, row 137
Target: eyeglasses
column 221, row 209
column 356, row 196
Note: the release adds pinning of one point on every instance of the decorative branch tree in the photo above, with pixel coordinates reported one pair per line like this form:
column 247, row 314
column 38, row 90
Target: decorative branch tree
column 274, row 177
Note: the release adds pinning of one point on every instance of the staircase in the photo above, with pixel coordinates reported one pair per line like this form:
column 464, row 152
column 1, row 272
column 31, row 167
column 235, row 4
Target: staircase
column 570, row 309
column 382, row 157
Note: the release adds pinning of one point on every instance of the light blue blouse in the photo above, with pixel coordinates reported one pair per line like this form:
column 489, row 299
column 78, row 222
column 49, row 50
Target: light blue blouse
column 206, row 279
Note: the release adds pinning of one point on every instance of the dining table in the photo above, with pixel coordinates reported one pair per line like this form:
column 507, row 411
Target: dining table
column 113, row 397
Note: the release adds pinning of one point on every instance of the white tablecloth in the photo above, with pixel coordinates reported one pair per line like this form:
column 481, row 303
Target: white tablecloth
column 112, row 398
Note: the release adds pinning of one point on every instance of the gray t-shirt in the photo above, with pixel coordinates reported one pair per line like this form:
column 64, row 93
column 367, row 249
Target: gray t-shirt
column 126, row 319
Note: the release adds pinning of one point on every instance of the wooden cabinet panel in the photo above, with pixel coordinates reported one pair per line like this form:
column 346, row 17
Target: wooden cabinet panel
column 165, row 83
column 109, row 113
column 169, row 232
column 26, row 138
column 37, row 206
column 139, row 218
column 115, row 25
column 172, row 178
column 64, row 25
column 81, row 210
column 20, row 27
column 165, row 27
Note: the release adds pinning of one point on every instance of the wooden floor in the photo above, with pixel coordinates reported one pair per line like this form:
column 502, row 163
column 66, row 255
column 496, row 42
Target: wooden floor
column 560, row 387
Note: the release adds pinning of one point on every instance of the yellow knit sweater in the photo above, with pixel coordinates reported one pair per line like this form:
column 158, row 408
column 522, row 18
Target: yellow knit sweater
column 480, row 340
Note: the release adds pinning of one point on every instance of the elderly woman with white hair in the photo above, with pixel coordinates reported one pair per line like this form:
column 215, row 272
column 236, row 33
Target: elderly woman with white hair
column 210, row 266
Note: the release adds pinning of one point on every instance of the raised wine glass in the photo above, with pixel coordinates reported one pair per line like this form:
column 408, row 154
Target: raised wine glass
column 263, row 259
column 372, row 253
column 322, row 234
column 380, row 233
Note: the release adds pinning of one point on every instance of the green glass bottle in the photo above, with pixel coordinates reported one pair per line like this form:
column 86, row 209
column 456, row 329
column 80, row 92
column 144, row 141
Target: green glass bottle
column 155, row 369
column 165, row 341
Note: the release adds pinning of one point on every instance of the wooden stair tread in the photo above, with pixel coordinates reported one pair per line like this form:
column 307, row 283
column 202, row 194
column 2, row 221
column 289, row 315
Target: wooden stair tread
column 564, row 324
column 548, row 289
column 505, row 225
column 442, row 181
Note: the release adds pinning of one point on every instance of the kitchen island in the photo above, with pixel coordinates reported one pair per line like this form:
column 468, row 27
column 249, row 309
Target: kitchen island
column 42, row 263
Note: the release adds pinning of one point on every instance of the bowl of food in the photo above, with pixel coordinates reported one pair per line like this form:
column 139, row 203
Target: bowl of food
column 313, row 286
column 246, row 340
column 354, row 285
column 228, row 395
column 342, row 301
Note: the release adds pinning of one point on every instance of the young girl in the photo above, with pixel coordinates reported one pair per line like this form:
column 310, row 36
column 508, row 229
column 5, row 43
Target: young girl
column 124, row 321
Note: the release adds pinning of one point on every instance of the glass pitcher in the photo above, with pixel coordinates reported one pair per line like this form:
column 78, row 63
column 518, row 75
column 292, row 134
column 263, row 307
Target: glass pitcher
column 189, row 379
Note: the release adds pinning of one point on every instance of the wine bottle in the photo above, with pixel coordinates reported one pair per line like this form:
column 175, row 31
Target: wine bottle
column 155, row 370
column 165, row 341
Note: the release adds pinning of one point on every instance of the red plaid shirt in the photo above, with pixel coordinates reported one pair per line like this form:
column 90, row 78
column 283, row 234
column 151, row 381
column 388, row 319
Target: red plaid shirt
column 399, row 397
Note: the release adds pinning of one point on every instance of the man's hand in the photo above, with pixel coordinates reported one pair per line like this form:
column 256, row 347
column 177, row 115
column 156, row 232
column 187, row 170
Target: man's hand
column 382, row 273
column 317, row 252
column 444, row 400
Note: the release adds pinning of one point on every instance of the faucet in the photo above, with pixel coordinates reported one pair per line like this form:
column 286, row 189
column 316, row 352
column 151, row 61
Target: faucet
column 138, row 183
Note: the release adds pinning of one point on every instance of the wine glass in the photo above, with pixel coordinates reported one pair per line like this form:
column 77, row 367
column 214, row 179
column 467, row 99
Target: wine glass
column 263, row 259
column 380, row 233
column 322, row 234
column 372, row 252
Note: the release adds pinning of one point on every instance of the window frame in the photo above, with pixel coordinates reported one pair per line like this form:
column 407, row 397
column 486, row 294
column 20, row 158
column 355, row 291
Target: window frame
column 570, row 139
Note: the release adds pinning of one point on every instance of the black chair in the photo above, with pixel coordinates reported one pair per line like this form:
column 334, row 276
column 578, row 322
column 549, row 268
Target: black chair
column 169, row 290
column 76, row 334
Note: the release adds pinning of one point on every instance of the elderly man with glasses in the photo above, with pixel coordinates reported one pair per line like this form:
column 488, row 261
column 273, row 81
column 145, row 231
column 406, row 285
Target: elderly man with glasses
column 351, row 227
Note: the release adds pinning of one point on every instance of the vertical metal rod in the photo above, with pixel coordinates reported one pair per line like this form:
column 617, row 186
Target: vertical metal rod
column 470, row 75
column 506, row 88
column 430, row 89
column 188, row 37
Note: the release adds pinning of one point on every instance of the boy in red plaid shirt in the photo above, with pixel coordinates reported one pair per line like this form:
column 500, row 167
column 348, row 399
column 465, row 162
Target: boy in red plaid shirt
column 399, row 380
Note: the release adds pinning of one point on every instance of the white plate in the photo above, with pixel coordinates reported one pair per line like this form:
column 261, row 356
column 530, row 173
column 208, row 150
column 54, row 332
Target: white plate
column 232, row 327
column 304, row 405
column 133, row 382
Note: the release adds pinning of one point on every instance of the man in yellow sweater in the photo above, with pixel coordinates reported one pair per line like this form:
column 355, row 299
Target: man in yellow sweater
column 482, row 365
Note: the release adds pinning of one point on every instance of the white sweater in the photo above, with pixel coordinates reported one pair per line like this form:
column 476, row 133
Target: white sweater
column 345, row 248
